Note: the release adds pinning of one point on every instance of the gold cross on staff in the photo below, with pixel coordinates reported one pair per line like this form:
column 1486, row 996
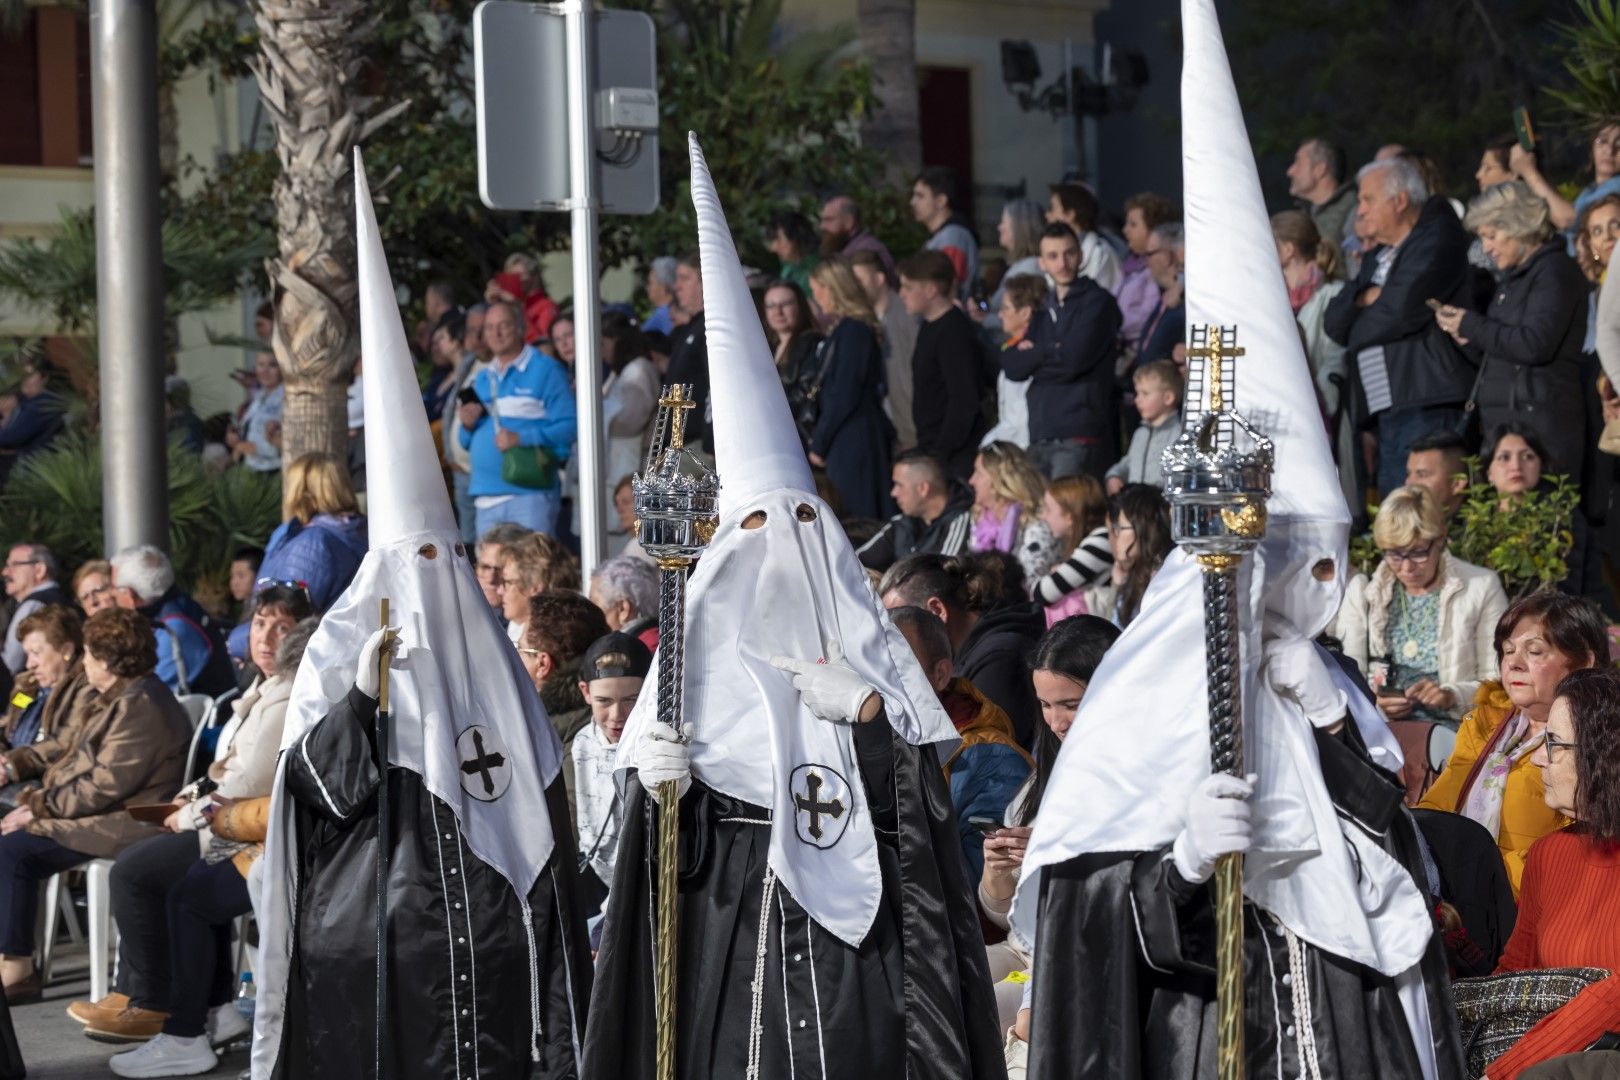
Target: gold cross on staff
column 675, row 399
column 1215, row 354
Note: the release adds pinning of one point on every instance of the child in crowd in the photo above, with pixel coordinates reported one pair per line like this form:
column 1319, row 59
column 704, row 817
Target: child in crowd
column 1158, row 400
column 1076, row 511
column 611, row 674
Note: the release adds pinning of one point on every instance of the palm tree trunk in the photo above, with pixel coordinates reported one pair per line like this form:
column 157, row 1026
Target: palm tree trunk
column 888, row 34
column 308, row 61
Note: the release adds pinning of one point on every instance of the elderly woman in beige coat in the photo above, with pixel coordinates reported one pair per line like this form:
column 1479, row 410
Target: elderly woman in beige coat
column 1421, row 626
column 128, row 751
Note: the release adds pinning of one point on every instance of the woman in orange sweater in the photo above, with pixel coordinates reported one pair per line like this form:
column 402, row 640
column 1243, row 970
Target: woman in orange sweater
column 1489, row 777
column 1569, row 910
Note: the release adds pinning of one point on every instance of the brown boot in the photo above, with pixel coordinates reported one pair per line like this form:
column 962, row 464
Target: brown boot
column 25, row 990
column 133, row 1024
column 108, row 1008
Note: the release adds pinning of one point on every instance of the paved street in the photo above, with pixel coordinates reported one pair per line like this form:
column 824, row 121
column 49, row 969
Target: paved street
column 54, row 1046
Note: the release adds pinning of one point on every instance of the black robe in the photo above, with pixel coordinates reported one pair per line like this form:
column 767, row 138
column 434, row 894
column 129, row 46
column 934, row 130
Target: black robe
column 1125, row 967
column 459, row 985
column 914, row 1000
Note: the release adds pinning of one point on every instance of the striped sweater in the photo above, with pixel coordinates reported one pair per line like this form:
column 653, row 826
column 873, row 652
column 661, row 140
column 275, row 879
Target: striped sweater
column 1090, row 563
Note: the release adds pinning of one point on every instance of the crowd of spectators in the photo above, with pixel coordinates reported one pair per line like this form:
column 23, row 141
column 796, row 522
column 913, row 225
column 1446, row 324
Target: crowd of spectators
column 989, row 425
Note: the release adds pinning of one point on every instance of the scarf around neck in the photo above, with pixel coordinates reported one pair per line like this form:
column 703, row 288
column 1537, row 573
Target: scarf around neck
column 996, row 534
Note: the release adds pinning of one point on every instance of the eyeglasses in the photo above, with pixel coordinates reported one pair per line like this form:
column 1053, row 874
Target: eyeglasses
column 13, row 563
column 1414, row 556
column 265, row 583
column 492, row 572
column 528, row 652
column 90, row 594
column 1555, row 743
column 781, row 305
column 1150, row 252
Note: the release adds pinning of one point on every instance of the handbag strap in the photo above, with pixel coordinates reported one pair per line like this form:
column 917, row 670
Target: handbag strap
column 821, row 372
column 1472, row 404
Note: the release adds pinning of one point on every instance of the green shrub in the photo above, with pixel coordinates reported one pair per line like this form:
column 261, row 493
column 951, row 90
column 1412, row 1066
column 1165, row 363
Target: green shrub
column 54, row 498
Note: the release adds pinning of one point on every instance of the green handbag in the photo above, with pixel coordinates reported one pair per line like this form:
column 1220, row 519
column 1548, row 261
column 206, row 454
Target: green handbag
column 532, row 467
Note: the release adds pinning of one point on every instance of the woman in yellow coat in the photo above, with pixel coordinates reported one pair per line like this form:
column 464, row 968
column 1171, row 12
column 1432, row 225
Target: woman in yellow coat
column 1489, row 776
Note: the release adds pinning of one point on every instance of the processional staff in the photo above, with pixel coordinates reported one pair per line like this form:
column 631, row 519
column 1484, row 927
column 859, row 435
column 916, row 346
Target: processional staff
column 677, row 500
column 1217, row 489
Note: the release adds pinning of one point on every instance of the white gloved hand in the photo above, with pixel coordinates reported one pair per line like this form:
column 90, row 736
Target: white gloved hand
column 831, row 689
column 368, row 676
column 1296, row 670
column 1217, row 824
column 663, row 755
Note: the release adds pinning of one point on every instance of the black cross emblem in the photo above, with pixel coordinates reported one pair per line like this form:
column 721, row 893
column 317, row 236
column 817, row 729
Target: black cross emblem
column 810, row 804
column 482, row 762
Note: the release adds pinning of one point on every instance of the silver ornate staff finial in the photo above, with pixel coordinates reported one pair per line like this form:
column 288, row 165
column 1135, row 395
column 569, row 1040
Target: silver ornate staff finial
column 1217, row 484
column 677, row 509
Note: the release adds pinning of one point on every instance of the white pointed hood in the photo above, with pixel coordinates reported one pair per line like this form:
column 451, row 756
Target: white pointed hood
column 1331, row 886
column 405, row 492
column 456, row 671
column 791, row 587
column 753, row 432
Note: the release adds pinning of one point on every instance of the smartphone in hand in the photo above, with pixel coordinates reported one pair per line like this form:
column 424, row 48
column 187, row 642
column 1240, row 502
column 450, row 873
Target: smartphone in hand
column 986, row 825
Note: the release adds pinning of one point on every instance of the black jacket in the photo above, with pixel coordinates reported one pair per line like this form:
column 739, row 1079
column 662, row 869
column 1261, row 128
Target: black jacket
column 901, row 535
column 1070, row 365
column 689, row 363
column 800, row 371
column 994, row 657
column 1425, row 367
column 946, row 405
column 851, row 434
column 1530, row 344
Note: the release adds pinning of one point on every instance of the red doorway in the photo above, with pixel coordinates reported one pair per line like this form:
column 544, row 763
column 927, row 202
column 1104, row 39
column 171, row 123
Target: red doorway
column 945, row 115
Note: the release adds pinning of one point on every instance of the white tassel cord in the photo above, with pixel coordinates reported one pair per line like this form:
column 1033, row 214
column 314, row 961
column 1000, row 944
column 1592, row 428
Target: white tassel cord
column 755, row 1025
column 1304, row 1030
column 534, row 981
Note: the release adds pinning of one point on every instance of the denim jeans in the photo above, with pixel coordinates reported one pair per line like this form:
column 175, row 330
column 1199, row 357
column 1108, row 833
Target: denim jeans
column 1401, row 426
column 537, row 510
column 466, row 512
column 25, row 861
column 1069, row 457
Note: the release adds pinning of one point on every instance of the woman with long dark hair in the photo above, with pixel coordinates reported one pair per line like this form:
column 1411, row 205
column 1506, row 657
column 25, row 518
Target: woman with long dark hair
column 1139, row 534
column 790, row 327
column 1062, row 665
column 1569, row 907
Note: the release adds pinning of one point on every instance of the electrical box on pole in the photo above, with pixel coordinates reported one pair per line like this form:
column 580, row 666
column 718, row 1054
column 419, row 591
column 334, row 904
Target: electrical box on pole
column 568, row 121
column 522, row 73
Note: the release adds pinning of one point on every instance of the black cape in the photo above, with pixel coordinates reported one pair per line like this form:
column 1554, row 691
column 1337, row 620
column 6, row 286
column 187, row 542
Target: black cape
column 459, row 984
column 1125, row 967
column 913, row 1001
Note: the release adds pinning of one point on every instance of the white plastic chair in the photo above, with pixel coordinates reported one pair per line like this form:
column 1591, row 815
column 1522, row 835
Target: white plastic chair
column 56, row 902
column 103, row 932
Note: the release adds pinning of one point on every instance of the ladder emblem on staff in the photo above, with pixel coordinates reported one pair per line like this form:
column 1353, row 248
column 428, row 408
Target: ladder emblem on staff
column 1217, row 479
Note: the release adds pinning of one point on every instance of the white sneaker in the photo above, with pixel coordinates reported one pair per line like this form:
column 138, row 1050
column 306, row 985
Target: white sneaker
column 226, row 1024
column 166, row 1055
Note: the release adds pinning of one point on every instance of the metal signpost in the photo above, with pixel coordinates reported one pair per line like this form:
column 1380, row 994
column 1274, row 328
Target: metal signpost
column 597, row 155
column 129, row 272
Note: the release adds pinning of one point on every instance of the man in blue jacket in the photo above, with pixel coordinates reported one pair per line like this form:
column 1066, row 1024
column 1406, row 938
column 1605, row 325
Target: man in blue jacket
column 524, row 400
